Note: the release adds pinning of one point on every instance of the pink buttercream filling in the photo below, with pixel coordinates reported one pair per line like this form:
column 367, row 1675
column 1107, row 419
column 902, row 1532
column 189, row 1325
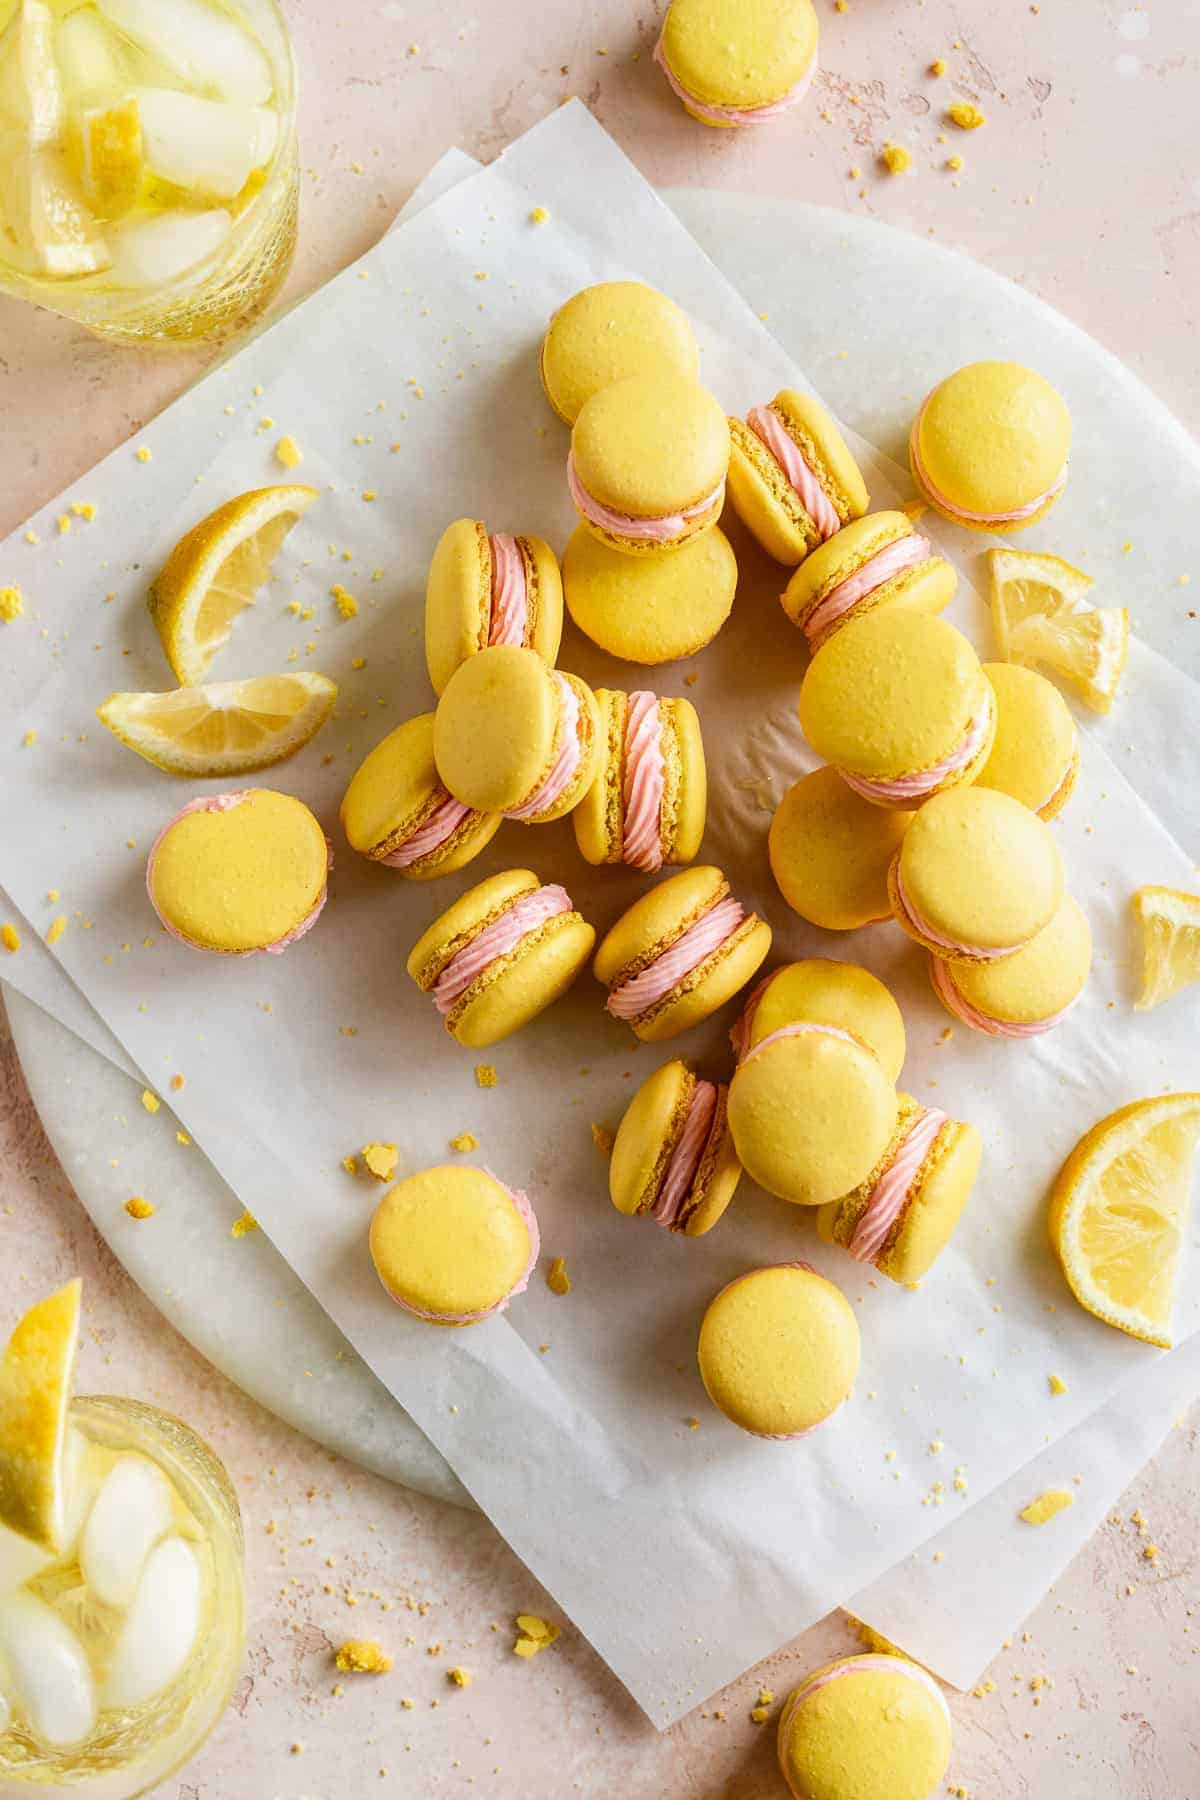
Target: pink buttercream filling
column 768, row 426
column 892, row 560
column 643, row 531
column 925, row 930
column 441, row 824
column 700, row 940
column 521, row 1201
column 739, row 1031
column 955, row 1001
column 961, row 512
column 891, row 1190
column 526, row 914
column 737, row 115
column 686, row 1157
column 900, row 1666
column 643, row 784
column 915, row 787
column 510, row 599
column 565, row 763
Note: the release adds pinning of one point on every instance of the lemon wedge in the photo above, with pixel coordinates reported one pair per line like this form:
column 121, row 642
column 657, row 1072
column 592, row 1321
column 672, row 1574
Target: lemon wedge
column 1041, row 617
column 1170, row 922
column 35, row 1393
column 1117, row 1212
column 225, row 728
column 215, row 571
column 111, row 157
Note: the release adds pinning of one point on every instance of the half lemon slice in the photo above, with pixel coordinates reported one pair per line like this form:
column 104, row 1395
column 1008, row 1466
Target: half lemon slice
column 35, row 1394
column 111, row 157
column 1041, row 617
column 1170, row 922
column 224, row 728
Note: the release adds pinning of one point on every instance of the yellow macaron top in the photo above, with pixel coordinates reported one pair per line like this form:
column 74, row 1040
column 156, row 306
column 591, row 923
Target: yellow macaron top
column 649, row 609
column 833, row 993
column 463, row 919
column 496, row 728
column 831, row 850
column 607, row 333
column 1038, row 981
column 1036, row 741
column 779, row 1349
column 657, row 918
column 981, row 869
column 240, row 871
column 891, row 694
column 458, row 598
column 863, row 1726
column 841, row 556
column 651, row 445
column 994, row 436
column 647, row 1134
column 739, row 52
column 392, row 786
column 450, row 1241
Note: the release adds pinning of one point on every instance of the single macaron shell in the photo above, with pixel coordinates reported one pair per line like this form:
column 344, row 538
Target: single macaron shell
column 825, row 992
column 1027, row 993
column 900, row 1219
column 977, row 876
column 738, row 62
column 673, row 1158
column 608, row 333
column 397, row 811
column 883, row 560
column 241, row 872
column 512, row 736
column 500, row 955
column 1035, row 756
column 830, row 852
column 779, row 1350
column 990, row 447
column 453, row 1245
column 485, row 590
column 679, row 953
column 648, row 462
column 865, row 1728
column 650, row 609
column 898, row 702
column 792, row 479
column 648, row 803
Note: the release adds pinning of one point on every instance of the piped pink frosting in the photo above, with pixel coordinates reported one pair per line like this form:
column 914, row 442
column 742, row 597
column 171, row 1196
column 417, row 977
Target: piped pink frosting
column 961, row 512
column 521, row 1201
column 219, row 803
column 642, row 786
column 891, row 1190
column 739, row 1031
column 737, row 115
column 663, row 530
column 917, row 786
column 924, row 929
column 441, row 824
column 903, row 553
column 565, row 763
column 956, row 1002
column 770, row 428
column 900, row 1665
column 510, row 598
column 685, row 1159
column 655, row 982
column 526, row 914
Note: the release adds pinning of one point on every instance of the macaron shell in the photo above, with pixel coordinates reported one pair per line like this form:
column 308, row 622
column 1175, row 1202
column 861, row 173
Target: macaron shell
column 825, row 992
column 739, row 52
column 525, row 983
column 1035, row 754
column 830, row 851
column 876, row 1731
column 458, row 599
column 608, row 333
column 598, row 817
column 388, row 792
column 495, row 728
column 980, row 868
column 646, row 1134
column 449, row 1240
column 1038, row 981
column 650, row 609
column 241, row 877
column 716, row 1189
column 651, row 446
column 733, row 965
column 993, row 437
column 779, row 1350
column 460, row 921
column 656, row 917
column 765, row 500
column 934, row 1210
column 591, row 750
column 691, row 799
column 544, row 580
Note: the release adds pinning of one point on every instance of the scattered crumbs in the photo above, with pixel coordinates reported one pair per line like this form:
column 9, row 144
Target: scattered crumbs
column 557, row 1279
column 466, row 1140
column 460, row 1677
column 841, row 5
column 57, row 927
column 296, row 1750
column 408, row 1705
column 1150, row 1553
column 895, row 158
column 52, row 894
column 181, row 1137
column 150, row 1101
column 358, row 662
column 12, row 604
column 1057, row 1384
column 289, row 453
column 258, row 388
column 362, row 1656
column 1126, row 547
column 346, row 604
column 603, row 1138
column 376, row 574
column 347, row 1030
column 370, row 494
column 939, row 1556
column 31, row 537
column 692, row 679
column 143, row 453
column 64, row 524
column 538, row 216
column 176, row 1083
column 692, row 1424
column 854, row 172
column 137, row 1208
column 1047, row 1506
column 244, row 1226
column 965, row 115
column 536, row 1634
column 381, row 1160
column 936, row 1444
column 954, row 162
column 938, row 66
column 485, row 1075
column 481, row 274
column 10, row 937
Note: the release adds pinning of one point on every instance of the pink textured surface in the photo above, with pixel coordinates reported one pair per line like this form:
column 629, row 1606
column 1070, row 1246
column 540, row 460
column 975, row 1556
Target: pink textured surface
column 1090, row 111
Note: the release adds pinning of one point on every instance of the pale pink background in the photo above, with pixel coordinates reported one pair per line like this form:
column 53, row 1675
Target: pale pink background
column 1084, row 186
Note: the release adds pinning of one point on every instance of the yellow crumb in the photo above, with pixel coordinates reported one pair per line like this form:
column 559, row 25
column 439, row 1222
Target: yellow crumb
column 143, row 454
column 538, row 216
column 350, row 1164
column 557, row 1279
column 466, row 1140
column 10, row 937
column 965, row 115
column 137, row 1208
column 83, row 509
column 692, row 1424
column 181, row 1137
column 462, row 1678
column 381, row 1160
column 841, row 5
column 31, row 537
column 603, row 1138
column 855, row 173
column 150, row 1101
column 481, row 275
column 362, row 1656
column 12, row 604
column 760, row 1714
column 1057, row 1384
column 954, row 162
column 370, row 494
column 57, row 927
column 64, row 524
column 52, row 894
column 244, row 1226
column 289, row 453
column 691, row 680
column 176, row 1082
column 485, row 1075
column 1151, row 1552
column 874, row 1641
column 536, row 1634
column 937, row 66
column 895, row 158
column 1047, row 1506
column 347, row 605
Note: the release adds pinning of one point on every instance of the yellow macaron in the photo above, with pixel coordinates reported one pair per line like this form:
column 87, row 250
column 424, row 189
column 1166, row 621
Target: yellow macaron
column 650, row 609
column 735, row 63
column 1035, row 756
column 825, row 992
column 977, row 876
column 831, row 850
column 865, row 1728
column 607, row 333
column 514, row 737
column 489, row 589
column 899, row 703
column 648, row 462
column 673, row 1159
column 882, row 560
column 454, row 1245
column 504, row 951
column 678, row 953
column 779, row 1350
column 792, row 479
column 900, row 1219
column 1027, row 993
column 990, row 447
column 238, row 873
column 648, row 803
column 397, row 811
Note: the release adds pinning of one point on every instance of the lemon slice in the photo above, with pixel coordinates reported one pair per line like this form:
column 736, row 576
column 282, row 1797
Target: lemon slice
column 111, row 157
column 35, row 1393
column 226, row 728
column 31, row 89
column 1170, row 922
column 1117, row 1212
column 1041, row 616
column 215, row 571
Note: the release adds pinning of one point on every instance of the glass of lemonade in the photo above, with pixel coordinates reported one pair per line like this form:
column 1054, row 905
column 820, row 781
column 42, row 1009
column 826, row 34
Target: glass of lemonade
column 119, row 1654
column 149, row 175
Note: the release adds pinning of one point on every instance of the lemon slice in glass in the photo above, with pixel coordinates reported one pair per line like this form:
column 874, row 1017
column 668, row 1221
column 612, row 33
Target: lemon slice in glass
column 1170, row 922
column 224, row 728
column 215, row 571
column 1041, row 618
column 1118, row 1209
column 35, row 1393
column 111, row 157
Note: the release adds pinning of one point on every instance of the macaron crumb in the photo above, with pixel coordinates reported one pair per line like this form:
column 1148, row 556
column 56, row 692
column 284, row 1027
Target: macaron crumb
column 143, row 454
column 938, row 66
column 466, row 1140
column 381, row 1160
column 485, row 1075
column 137, row 1208
column 289, row 453
column 855, row 173
column 363, row 1656
column 538, row 216
column 895, row 158
column 181, row 1137
column 603, row 1137
column 535, row 1634
column 10, row 937
column 557, row 1279
column 459, row 1677
column 150, row 1101
column 243, row 1226
column 350, row 1164
column 965, row 115
column 954, row 162
column 345, row 602
column 12, row 604
column 692, row 1424
column 57, row 927
column 1057, row 1384
column 1047, row 1506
